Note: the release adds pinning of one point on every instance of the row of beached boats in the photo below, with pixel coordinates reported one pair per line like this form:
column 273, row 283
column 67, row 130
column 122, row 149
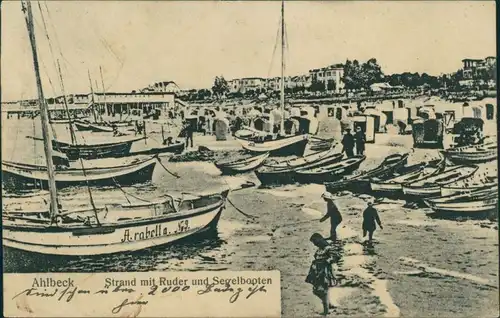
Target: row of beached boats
column 423, row 182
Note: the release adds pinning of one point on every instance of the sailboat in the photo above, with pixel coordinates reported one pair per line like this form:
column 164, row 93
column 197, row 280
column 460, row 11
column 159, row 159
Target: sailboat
column 280, row 145
column 99, row 125
column 118, row 148
column 110, row 229
column 20, row 175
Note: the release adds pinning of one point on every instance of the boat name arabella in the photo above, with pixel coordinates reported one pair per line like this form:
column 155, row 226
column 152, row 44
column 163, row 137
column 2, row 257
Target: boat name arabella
column 50, row 282
column 153, row 232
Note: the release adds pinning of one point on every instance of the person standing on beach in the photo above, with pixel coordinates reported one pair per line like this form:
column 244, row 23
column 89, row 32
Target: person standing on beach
column 370, row 216
column 348, row 143
column 360, row 139
column 189, row 129
column 321, row 273
column 332, row 213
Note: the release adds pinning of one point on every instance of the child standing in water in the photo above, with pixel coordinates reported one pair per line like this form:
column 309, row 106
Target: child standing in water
column 370, row 216
column 321, row 272
column 332, row 213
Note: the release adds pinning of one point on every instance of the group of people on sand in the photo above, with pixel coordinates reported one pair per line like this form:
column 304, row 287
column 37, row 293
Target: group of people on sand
column 349, row 142
column 321, row 274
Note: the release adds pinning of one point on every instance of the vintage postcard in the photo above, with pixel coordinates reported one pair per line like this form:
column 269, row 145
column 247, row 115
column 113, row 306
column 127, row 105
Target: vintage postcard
column 249, row 158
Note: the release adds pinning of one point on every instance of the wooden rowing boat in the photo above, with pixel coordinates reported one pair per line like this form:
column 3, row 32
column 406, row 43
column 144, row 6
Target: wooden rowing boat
column 20, row 175
column 240, row 165
column 175, row 148
column 472, row 154
column 465, row 187
column 95, row 151
column 100, row 128
column 329, row 173
column 279, row 147
column 81, row 125
column 478, row 201
column 311, row 160
column 394, row 185
column 361, row 182
column 283, row 172
column 429, row 186
column 320, row 144
column 114, row 228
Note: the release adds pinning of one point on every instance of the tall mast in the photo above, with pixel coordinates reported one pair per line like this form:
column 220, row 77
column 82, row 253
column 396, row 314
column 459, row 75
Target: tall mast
column 72, row 132
column 47, row 140
column 103, row 90
column 99, row 108
column 93, row 98
column 282, row 88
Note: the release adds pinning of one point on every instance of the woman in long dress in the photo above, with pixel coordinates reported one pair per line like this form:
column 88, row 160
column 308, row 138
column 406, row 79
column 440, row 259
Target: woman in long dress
column 321, row 272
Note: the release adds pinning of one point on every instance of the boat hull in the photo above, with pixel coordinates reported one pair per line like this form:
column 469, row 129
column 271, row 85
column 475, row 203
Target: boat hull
column 100, row 128
column 448, row 191
column 75, row 152
column 82, row 126
column 421, row 192
column 285, row 173
column 275, row 177
column 481, row 207
column 394, row 185
column 303, row 176
column 242, row 166
column 386, row 188
column 431, row 188
column 130, row 237
column 18, row 176
column 176, row 148
column 361, row 183
column 288, row 146
column 471, row 158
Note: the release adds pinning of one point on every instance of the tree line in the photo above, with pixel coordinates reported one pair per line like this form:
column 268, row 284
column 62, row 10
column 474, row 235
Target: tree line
column 359, row 76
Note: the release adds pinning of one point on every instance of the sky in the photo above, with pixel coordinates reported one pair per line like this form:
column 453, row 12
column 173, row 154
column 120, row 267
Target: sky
column 137, row 43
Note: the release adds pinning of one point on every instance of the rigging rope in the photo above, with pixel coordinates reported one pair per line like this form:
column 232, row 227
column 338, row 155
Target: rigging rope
column 274, row 50
column 253, row 217
column 128, row 194
column 57, row 39
column 44, row 68
column 161, row 163
column 90, row 193
column 235, row 207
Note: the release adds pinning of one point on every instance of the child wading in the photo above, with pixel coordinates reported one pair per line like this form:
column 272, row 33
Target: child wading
column 333, row 213
column 321, row 272
column 370, row 216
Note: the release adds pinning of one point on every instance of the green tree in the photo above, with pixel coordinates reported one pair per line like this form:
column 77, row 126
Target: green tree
column 203, row 94
column 317, row 86
column 220, row 87
column 370, row 73
column 352, row 73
